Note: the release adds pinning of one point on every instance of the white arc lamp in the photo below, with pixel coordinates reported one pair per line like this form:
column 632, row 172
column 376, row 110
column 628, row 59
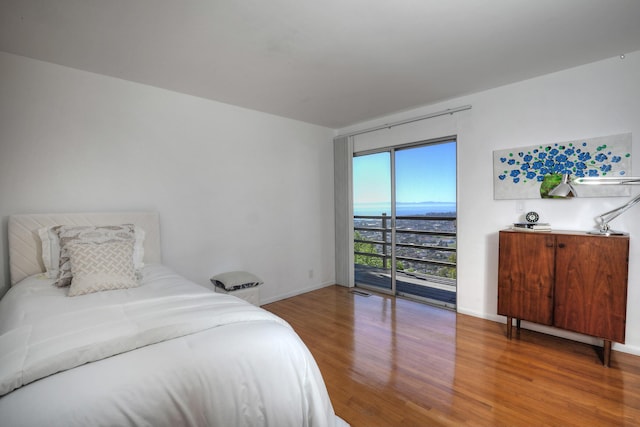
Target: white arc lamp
column 566, row 189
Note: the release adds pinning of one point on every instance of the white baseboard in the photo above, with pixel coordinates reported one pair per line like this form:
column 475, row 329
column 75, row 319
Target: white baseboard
column 296, row 292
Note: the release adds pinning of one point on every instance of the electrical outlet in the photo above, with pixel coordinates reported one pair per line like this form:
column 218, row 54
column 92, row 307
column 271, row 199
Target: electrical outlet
column 311, row 273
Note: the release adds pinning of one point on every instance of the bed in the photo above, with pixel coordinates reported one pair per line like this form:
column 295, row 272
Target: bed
column 165, row 352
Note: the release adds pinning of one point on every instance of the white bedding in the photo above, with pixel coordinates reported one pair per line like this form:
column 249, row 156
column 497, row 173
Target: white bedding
column 201, row 359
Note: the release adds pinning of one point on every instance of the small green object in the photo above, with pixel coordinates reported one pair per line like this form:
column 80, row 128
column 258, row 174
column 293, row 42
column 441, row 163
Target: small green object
column 550, row 182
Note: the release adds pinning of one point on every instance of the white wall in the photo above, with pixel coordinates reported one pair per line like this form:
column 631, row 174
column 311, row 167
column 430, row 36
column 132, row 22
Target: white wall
column 598, row 99
column 235, row 188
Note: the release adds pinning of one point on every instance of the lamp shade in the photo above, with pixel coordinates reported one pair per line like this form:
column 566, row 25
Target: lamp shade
column 564, row 189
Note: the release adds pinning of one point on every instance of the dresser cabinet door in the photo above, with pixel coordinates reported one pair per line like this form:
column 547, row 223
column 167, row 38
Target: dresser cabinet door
column 526, row 276
column 591, row 285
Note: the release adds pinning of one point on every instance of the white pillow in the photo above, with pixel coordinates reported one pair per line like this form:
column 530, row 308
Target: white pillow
column 101, row 266
column 50, row 251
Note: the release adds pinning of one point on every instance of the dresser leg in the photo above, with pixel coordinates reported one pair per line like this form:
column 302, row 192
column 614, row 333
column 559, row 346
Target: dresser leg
column 607, row 353
column 509, row 326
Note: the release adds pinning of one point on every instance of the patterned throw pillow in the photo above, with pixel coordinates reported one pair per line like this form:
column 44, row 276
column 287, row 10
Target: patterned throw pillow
column 85, row 234
column 101, row 266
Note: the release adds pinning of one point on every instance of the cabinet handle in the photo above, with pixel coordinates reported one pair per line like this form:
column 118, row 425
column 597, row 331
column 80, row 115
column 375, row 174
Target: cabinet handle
column 561, row 245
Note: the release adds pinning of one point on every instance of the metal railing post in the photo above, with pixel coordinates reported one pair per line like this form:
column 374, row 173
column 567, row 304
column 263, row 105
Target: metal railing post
column 384, row 239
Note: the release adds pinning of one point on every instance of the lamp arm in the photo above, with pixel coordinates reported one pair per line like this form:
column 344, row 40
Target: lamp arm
column 604, row 219
column 601, row 180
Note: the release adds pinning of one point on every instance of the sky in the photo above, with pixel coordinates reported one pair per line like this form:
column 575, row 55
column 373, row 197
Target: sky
column 423, row 174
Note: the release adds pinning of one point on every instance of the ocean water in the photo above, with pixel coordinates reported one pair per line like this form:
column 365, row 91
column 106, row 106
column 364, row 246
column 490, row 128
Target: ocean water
column 405, row 209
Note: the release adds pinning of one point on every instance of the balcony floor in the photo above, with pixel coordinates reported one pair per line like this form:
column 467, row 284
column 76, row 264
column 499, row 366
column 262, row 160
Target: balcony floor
column 435, row 291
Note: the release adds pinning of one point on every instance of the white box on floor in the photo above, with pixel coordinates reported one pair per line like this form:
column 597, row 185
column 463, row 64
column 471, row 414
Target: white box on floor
column 251, row 295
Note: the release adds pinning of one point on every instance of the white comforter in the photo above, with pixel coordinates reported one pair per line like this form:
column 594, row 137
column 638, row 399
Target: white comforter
column 167, row 353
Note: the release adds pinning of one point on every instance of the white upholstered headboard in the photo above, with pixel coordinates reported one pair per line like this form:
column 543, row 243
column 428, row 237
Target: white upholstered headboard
column 25, row 248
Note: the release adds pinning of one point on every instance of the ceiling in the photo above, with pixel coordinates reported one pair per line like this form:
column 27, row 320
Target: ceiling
column 329, row 62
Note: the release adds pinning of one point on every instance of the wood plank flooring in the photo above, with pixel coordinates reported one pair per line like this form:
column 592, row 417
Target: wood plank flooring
column 394, row 362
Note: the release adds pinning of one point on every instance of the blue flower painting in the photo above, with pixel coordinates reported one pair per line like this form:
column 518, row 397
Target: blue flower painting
column 519, row 173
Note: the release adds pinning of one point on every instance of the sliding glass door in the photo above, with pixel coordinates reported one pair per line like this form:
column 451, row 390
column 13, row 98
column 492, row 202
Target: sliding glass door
column 404, row 207
column 372, row 197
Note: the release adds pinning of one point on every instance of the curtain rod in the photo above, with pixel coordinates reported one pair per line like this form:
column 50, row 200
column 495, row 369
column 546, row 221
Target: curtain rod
column 404, row 122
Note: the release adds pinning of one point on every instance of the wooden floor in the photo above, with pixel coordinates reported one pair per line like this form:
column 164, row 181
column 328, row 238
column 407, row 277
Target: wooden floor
column 393, row 362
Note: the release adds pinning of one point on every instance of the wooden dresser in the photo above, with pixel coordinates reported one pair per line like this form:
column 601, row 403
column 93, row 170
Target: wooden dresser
column 570, row 280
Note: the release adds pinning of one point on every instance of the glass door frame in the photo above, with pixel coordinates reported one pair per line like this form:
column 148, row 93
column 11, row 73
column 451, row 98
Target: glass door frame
column 392, row 289
column 392, row 160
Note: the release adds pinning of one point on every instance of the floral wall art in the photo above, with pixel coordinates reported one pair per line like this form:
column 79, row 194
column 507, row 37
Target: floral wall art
column 531, row 172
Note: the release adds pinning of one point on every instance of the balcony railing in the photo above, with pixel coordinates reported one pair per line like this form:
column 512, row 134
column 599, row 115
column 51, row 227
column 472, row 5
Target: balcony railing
column 426, row 246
